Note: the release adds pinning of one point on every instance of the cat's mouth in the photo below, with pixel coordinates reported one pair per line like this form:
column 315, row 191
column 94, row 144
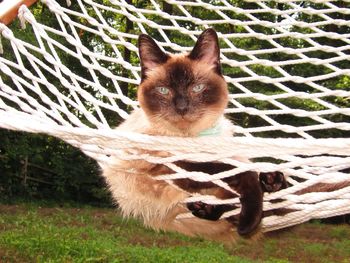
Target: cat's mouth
column 187, row 119
column 183, row 124
column 187, row 124
column 191, row 124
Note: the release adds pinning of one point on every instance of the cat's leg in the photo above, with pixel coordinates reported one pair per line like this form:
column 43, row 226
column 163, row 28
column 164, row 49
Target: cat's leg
column 246, row 184
column 219, row 230
column 251, row 196
column 140, row 195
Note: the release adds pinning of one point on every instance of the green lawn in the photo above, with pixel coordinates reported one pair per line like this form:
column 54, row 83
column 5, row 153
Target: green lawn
column 33, row 233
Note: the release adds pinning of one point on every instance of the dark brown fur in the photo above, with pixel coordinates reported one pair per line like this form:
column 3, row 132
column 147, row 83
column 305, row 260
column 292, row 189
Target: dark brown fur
column 246, row 184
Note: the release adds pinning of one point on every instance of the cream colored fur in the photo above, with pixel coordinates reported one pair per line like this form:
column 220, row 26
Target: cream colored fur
column 156, row 202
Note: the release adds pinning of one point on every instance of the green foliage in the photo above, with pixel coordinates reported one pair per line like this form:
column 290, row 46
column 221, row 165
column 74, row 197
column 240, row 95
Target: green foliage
column 70, row 174
column 55, row 170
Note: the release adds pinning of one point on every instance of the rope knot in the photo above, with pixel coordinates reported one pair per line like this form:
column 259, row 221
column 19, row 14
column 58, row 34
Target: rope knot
column 21, row 15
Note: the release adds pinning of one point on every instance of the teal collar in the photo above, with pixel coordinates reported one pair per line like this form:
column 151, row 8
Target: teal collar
column 212, row 131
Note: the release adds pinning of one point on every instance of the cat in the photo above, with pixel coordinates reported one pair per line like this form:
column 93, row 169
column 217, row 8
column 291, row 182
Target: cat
column 183, row 95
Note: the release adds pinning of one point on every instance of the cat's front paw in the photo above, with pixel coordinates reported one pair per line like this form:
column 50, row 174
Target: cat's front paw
column 207, row 211
column 272, row 181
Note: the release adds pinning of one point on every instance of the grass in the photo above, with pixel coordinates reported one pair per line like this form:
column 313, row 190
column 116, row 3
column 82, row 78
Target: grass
column 34, row 233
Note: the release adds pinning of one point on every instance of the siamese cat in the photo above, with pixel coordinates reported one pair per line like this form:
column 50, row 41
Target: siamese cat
column 183, row 95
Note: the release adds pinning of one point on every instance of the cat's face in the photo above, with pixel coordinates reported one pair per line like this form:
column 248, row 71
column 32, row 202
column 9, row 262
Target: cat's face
column 184, row 92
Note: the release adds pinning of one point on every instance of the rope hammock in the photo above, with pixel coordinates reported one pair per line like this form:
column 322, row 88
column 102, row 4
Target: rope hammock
column 286, row 64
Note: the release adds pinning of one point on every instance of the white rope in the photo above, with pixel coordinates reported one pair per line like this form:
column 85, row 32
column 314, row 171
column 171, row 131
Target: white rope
column 73, row 107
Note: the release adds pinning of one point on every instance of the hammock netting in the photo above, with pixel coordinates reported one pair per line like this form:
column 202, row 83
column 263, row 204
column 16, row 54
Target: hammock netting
column 286, row 64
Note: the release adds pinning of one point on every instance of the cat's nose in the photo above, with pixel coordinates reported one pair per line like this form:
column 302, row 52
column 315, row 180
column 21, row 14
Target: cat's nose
column 181, row 105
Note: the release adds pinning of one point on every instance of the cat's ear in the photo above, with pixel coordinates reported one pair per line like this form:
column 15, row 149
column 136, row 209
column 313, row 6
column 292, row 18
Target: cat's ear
column 207, row 49
column 151, row 55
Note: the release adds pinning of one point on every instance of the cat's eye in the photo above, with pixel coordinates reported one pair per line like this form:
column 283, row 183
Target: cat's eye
column 198, row 88
column 163, row 90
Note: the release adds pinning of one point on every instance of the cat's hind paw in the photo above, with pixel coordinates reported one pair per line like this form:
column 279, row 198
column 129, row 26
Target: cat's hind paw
column 207, row 211
column 272, row 181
